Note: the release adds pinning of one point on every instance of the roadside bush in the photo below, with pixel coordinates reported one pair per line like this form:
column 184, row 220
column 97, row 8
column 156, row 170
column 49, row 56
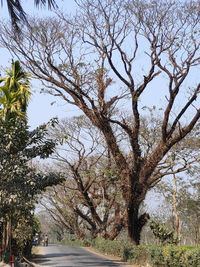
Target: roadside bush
column 127, row 253
column 154, row 256
column 193, row 257
column 88, row 242
column 78, row 242
column 73, row 242
column 111, row 247
column 135, row 254
column 164, row 235
column 174, row 256
column 123, row 249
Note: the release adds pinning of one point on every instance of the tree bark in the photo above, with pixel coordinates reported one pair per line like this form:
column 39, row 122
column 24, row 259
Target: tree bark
column 134, row 230
column 176, row 222
column 135, row 222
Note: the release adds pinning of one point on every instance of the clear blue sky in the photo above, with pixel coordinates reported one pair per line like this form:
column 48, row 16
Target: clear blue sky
column 40, row 109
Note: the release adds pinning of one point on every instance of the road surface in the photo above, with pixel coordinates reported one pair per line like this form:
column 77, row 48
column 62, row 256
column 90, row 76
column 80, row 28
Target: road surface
column 63, row 256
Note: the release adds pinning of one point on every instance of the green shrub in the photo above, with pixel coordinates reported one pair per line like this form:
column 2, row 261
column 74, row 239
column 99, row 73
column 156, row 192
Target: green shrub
column 78, row 242
column 88, row 242
column 109, row 247
column 73, row 242
column 6, row 256
column 135, row 254
column 193, row 257
column 156, row 256
column 174, row 256
column 127, row 253
column 164, row 235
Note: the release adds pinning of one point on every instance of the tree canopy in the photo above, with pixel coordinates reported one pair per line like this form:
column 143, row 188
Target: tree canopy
column 108, row 60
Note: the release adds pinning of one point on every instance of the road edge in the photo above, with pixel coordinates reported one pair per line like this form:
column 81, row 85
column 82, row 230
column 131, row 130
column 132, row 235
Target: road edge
column 115, row 259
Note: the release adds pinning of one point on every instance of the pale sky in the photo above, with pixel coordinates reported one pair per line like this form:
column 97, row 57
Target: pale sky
column 40, row 109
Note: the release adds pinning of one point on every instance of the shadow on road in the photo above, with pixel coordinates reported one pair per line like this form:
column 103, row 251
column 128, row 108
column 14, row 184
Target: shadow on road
column 72, row 257
column 80, row 261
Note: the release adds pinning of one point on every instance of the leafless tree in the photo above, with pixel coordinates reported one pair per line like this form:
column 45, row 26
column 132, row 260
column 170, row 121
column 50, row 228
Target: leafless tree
column 109, row 57
column 89, row 202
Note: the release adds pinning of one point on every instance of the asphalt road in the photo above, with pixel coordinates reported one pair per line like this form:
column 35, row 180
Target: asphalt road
column 63, row 256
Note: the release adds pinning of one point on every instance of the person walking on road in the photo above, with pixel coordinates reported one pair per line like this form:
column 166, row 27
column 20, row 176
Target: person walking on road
column 46, row 240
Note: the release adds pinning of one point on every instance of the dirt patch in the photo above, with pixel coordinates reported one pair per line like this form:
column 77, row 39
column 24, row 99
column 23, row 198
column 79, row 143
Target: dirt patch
column 38, row 250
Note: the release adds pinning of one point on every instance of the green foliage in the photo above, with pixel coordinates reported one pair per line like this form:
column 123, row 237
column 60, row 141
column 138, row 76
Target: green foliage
column 155, row 256
column 135, row 254
column 114, row 248
column 23, row 233
column 171, row 256
column 77, row 242
column 6, row 256
column 20, row 181
column 164, row 235
column 127, row 253
column 193, row 257
column 14, row 93
column 174, row 256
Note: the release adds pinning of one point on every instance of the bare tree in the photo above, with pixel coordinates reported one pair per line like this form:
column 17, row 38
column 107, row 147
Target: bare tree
column 93, row 61
column 90, row 200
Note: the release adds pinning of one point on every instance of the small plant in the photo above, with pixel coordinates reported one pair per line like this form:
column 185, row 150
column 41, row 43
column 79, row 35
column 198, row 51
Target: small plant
column 138, row 255
column 156, row 256
column 112, row 247
column 164, row 235
column 193, row 257
column 127, row 253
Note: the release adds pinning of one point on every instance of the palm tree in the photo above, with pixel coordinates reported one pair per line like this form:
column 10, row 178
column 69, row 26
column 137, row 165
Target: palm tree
column 15, row 92
column 17, row 13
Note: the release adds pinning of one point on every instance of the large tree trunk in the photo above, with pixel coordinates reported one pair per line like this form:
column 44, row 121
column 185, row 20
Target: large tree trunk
column 135, row 222
column 133, row 191
column 176, row 217
column 134, row 231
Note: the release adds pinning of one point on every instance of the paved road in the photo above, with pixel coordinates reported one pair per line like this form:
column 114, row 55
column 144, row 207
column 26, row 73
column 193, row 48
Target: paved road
column 63, row 256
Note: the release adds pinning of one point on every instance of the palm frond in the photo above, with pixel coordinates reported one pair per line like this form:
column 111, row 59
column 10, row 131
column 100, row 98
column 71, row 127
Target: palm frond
column 15, row 92
column 16, row 12
column 51, row 3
